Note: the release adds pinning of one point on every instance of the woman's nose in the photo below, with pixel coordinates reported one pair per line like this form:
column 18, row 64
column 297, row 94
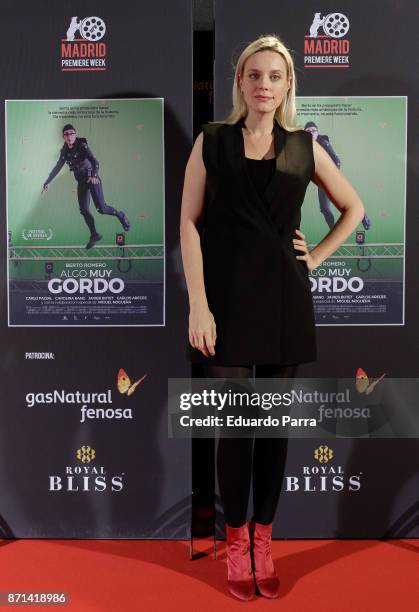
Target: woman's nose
column 265, row 82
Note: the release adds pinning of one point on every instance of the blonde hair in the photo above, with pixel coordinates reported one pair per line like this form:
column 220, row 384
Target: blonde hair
column 286, row 112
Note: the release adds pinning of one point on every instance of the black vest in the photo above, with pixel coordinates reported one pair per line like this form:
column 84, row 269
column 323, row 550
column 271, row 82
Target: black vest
column 257, row 290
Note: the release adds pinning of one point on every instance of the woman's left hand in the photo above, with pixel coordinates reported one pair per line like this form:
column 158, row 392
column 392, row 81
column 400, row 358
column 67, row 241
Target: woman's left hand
column 301, row 245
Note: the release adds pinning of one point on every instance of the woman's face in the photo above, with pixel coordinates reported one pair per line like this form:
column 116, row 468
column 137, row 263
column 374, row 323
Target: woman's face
column 264, row 82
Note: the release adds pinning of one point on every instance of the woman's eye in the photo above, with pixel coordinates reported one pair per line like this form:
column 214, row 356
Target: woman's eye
column 276, row 77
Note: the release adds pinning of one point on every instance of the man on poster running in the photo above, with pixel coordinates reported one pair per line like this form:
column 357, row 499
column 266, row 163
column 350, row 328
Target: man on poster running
column 80, row 159
column 324, row 201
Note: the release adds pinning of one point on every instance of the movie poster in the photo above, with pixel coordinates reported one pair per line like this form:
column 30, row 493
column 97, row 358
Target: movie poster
column 363, row 282
column 85, row 207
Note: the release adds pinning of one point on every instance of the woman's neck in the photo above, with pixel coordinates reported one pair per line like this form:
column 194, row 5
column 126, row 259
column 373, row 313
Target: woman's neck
column 259, row 124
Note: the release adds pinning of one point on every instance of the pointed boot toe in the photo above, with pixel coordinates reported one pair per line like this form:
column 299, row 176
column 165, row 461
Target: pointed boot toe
column 242, row 589
column 269, row 587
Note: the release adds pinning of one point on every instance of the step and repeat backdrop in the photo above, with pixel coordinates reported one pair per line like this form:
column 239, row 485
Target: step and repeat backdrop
column 97, row 108
column 358, row 96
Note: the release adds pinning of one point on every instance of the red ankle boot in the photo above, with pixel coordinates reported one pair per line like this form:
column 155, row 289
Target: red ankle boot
column 265, row 575
column 240, row 576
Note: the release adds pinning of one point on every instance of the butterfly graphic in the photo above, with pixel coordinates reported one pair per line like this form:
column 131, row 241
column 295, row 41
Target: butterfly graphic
column 364, row 384
column 124, row 383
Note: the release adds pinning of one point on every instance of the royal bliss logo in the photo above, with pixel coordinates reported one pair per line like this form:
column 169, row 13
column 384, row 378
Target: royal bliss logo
column 323, row 475
column 84, row 476
column 81, row 49
column 326, row 45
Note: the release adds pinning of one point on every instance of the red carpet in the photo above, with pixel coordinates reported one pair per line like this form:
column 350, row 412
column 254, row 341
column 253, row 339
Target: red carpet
column 129, row 575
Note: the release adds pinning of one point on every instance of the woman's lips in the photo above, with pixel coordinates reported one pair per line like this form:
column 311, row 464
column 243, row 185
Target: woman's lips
column 263, row 98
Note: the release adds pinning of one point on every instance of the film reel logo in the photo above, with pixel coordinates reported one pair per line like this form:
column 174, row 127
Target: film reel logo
column 335, row 25
column 90, row 28
column 327, row 45
column 83, row 47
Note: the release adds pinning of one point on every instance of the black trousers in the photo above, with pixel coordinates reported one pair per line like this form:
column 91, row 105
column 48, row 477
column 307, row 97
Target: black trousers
column 241, row 461
column 84, row 191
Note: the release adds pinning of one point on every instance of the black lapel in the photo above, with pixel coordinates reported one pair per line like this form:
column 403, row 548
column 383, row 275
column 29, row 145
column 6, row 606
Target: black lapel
column 280, row 149
column 240, row 164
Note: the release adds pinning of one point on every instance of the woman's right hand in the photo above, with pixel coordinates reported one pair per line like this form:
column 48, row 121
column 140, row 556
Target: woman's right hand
column 202, row 330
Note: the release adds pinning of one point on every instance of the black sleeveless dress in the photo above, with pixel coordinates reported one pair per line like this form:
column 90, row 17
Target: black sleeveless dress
column 261, row 172
column 257, row 290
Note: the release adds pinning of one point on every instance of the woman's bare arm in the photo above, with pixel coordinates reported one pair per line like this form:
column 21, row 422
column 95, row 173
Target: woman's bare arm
column 202, row 333
column 344, row 197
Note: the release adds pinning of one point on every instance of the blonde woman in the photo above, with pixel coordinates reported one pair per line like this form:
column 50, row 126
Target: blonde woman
column 246, row 265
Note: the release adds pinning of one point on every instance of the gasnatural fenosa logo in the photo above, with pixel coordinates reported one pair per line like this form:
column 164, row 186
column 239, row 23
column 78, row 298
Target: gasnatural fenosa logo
column 364, row 384
column 124, row 384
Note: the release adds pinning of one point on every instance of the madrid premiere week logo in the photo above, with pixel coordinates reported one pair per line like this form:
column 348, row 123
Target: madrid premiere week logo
column 81, row 49
column 327, row 44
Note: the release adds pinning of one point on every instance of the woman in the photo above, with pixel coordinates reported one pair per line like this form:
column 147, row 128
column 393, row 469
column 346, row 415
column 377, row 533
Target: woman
column 81, row 161
column 246, row 266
